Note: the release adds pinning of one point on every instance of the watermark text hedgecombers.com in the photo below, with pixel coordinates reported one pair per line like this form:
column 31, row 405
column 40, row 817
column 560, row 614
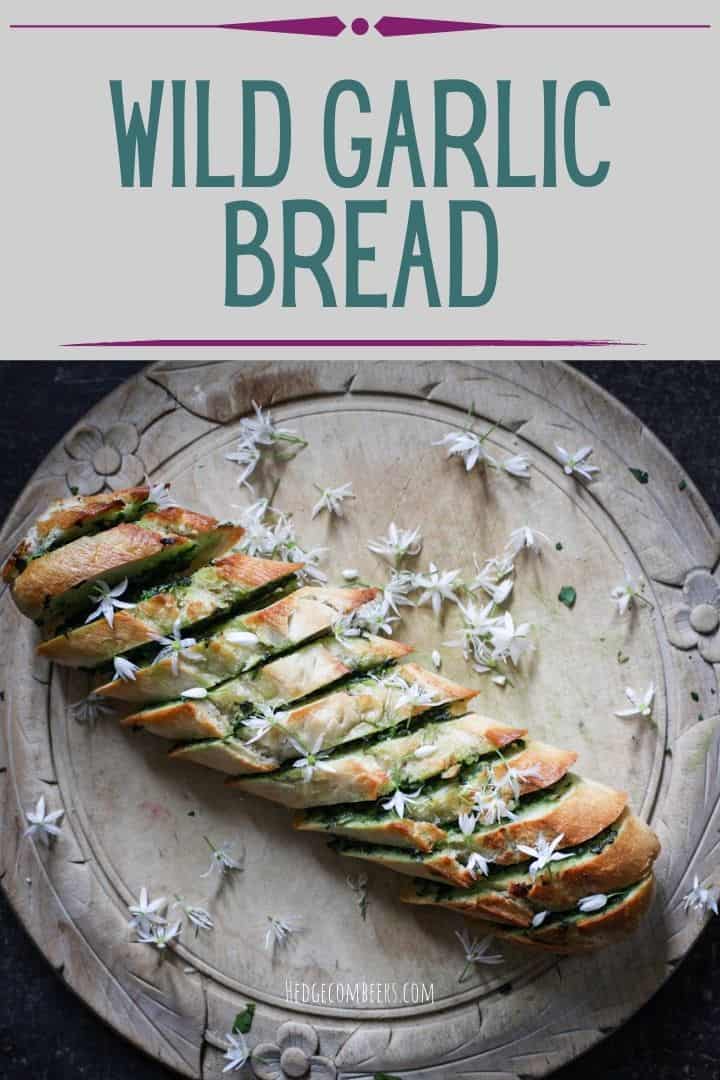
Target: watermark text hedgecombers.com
column 359, row 993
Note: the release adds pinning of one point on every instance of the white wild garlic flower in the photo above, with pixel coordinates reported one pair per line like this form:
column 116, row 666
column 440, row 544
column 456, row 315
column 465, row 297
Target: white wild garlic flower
column 543, row 854
column 699, row 899
column 107, row 600
column 332, row 499
column 476, row 952
column 438, row 586
column 575, row 464
column 221, row 860
column 641, row 705
column 468, row 446
column 399, row 800
column 146, row 913
column 43, row 824
column 125, row 669
column 280, row 931
column 397, row 544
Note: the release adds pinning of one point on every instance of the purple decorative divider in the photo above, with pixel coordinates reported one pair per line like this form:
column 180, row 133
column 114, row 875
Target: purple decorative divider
column 389, row 26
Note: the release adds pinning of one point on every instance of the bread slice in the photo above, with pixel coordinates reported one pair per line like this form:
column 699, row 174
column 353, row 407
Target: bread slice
column 58, row 585
column 613, row 860
column 576, row 808
column 361, row 709
column 536, row 767
column 573, row 932
column 206, row 594
column 67, row 519
column 385, row 765
column 243, row 642
column 290, row 677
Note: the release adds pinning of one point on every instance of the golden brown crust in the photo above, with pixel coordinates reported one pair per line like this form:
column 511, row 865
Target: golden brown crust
column 441, row 688
column 543, row 765
column 589, row 932
column 86, row 646
column 65, row 515
column 181, row 720
column 277, row 619
column 401, row 832
column 250, row 570
column 226, row 756
column 85, row 559
column 585, row 811
column 183, row 522
column 628, row 859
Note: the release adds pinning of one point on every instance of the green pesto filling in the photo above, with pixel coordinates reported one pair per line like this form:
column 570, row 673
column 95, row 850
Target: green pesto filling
column 358, row 814
column 76, row 601
column 499, row 877
column 570, row 918
column 368, row 742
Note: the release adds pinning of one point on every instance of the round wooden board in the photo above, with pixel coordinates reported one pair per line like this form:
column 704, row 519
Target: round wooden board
column 133, row 817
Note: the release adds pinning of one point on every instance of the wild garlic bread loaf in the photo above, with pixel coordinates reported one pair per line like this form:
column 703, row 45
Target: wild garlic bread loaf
column 281, row 687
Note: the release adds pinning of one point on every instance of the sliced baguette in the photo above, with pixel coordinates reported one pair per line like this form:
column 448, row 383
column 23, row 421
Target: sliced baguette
column 67, row 519
column 279, row 683
column 363, row 708
column 611, row 861
column 208, row 593
column 289, row 621
column 58, row 585
column 440, row 802
column 573, row 932
column 385, row 765
column 576, row 808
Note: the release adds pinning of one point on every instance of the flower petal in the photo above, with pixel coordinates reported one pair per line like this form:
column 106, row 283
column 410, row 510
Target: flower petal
column 679, row 630
column 709, row 648
column 302, row 1036
column 84, row 442
column 124, row 437
column 701, row 588
column 82, row 476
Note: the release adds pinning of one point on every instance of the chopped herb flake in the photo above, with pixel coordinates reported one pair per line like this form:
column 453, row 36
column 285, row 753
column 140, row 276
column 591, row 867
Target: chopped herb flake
column 243, row 1021
column 558, row 546
column 640, row 475
column 694, row 696
column 567, row 596
column 682, row 485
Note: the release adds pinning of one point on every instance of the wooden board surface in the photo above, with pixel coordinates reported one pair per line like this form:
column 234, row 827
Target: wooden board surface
column 134, row 818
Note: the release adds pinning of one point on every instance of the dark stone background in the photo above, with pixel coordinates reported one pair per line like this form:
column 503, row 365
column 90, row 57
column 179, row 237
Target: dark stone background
column 46, row 1033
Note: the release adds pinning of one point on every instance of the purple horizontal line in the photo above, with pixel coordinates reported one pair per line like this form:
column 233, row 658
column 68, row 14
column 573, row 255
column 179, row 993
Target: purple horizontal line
column 259, row 343
column 603, row 26
column 403, row 26
column 317, row 26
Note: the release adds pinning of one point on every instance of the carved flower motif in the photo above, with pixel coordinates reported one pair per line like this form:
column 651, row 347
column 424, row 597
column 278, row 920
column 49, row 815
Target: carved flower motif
column 294, row 1055
column 696, row 623
column 99, row 459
